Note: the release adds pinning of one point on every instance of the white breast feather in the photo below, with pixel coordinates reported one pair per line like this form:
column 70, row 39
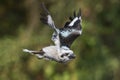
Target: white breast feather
column 51, row 51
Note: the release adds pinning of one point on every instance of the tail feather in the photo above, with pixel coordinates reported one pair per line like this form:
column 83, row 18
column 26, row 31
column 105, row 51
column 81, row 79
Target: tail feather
column 39, row 54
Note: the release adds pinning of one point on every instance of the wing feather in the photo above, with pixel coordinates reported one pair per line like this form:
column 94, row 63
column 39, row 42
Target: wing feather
column 46, row 18
column 72, row 29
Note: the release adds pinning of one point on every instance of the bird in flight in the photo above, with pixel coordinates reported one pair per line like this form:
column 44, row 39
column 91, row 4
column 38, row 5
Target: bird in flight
column 62, row 38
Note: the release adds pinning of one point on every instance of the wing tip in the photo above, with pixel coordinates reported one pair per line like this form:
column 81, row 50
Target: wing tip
column 79, row 12
column 75, row 14
column 25, row 50
column 44, row 8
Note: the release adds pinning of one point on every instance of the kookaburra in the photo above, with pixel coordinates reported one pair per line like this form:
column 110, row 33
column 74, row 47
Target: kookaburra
column 62, row 38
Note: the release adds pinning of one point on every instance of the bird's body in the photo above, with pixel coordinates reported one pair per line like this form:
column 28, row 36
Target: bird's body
column 62, row 38
column 51, row 53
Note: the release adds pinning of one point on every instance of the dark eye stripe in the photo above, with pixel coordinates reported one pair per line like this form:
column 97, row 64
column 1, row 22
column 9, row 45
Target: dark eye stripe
column 66, row 54
column 62, row 55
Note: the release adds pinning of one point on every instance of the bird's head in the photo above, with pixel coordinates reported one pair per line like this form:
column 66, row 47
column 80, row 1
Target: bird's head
column 66, row 55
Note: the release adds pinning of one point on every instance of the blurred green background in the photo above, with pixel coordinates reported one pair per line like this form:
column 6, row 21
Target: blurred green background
column 97, row 50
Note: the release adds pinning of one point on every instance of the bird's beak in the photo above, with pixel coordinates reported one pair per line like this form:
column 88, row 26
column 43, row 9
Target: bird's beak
column 72, row 56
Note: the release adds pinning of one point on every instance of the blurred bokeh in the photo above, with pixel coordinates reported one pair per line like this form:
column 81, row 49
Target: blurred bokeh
column 97, row 50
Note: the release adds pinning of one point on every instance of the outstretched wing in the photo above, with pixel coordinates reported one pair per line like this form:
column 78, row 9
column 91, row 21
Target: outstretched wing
column 75, row 21
column 71, row 30
column 46, row 17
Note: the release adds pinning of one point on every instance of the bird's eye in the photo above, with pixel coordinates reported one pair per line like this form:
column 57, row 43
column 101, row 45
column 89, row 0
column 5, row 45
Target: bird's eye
column 62, row 55
column 66, row 54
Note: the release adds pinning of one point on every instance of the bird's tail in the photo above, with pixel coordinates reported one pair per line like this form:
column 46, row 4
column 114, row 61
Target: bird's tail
column 39, row 54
